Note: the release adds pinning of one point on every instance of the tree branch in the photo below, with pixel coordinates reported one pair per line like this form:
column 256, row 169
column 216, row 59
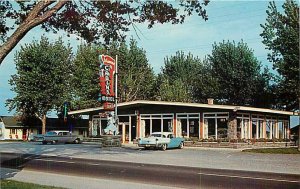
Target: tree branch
column 40, row 118
column 30, row 22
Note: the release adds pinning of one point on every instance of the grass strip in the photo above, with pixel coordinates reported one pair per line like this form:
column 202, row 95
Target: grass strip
column 274, row 150
column 11, row 184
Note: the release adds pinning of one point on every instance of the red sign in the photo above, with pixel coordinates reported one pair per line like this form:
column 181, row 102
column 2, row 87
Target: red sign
column 106, row 77
column 108, row 106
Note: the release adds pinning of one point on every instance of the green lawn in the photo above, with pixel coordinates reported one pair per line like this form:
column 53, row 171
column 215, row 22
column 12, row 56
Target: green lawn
column 274, row 150
column 10, row 184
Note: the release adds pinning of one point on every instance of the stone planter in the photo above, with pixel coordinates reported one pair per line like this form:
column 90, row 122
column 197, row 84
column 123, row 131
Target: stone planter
column 111, row 140
column 237, row 144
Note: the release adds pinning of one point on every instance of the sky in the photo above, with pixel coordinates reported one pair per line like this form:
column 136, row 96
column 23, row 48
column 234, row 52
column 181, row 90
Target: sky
column 227, row 20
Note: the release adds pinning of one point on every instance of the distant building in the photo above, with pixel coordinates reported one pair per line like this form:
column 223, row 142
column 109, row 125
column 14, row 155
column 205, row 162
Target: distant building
column 203, row 121
column 13, row 129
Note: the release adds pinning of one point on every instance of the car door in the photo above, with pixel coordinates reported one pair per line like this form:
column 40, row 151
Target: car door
column 65, row 137
column 173, row 142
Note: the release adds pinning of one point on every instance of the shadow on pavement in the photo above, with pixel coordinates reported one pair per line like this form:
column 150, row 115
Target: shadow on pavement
column 6, row 173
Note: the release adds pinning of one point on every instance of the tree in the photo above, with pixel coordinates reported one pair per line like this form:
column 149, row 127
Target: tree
column 237, row 72
column 85, row 78
column 206, row 85
column 42, row 80
column 173, row 91
column 281, row 36
column 135, row 75
column 178, row 77
column 102, row 21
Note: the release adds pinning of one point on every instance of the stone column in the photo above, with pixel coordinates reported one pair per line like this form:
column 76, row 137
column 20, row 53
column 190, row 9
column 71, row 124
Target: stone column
column 232, row 128
column 90, row 126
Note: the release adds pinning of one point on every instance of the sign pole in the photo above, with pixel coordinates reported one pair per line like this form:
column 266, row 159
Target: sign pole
column 116, row 92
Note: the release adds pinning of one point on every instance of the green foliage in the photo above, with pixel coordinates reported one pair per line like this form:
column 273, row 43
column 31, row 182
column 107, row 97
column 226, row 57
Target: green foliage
column 85, row 79
column 178, row 77
column 101, row 21
column 10, row 184
column 206, row 85
column 135, row 75
column 281, row 36
column 173, row 91
column 42, row 80
column 237, row 72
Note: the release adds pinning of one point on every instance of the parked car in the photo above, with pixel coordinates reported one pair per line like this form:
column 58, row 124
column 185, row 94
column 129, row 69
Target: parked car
column 36, row 137
column 161, row 140
column 54, row 137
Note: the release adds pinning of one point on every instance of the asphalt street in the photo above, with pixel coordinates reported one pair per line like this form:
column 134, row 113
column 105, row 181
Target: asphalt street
column 163, row 175
column 90, row 166
column 230, row 159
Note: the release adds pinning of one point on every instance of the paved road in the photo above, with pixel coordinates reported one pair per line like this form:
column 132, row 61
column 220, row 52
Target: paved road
column 163, row 175
column 232, row 159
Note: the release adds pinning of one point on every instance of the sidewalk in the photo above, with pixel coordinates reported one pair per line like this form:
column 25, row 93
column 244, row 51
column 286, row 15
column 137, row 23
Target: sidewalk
column 72, row 182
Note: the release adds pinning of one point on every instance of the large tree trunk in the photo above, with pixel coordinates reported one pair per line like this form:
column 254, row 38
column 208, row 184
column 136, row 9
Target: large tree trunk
column 34, row 18
column 44, row 118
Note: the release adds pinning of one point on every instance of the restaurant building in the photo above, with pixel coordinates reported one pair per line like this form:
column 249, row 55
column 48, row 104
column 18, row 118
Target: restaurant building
column 191, row 120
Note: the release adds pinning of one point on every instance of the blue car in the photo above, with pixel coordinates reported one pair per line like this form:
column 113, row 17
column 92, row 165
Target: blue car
column 161, row 140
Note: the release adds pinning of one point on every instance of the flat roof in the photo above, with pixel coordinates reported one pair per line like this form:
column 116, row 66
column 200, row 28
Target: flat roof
column 184, row 104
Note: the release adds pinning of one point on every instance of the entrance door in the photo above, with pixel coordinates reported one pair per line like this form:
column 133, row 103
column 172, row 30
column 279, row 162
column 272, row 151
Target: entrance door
column 124, row 131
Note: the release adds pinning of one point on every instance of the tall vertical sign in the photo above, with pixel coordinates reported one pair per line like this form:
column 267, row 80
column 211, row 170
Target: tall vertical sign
column 106, row 78
column 108, row 92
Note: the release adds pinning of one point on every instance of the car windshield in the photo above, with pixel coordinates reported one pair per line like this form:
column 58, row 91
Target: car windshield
column 51, row 133
column 156, row 135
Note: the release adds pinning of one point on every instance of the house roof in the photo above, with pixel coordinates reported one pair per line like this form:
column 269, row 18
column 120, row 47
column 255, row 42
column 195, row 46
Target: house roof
column 11, row 121
column 184, row 104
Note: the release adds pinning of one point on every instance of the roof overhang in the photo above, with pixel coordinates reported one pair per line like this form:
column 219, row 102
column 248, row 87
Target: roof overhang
column 183, row 104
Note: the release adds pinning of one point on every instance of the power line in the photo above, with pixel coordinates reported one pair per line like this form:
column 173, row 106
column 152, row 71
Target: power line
column 196, row 47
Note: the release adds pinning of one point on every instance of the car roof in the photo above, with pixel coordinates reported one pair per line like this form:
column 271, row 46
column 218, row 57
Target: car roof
column 57, row 131
column 164, row 133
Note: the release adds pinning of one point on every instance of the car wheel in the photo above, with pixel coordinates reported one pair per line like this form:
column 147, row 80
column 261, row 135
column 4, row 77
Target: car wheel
column 44, row 142
column 181, row 145
column 53, row 142
column 77, row 141
column 163, row 147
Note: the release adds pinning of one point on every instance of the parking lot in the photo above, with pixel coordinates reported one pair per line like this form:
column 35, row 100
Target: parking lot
column 193, row 157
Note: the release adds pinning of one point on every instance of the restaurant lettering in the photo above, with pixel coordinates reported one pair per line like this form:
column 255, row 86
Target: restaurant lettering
column 106, row 77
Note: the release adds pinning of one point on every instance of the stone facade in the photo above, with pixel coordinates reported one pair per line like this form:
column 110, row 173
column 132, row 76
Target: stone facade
column 232, row 128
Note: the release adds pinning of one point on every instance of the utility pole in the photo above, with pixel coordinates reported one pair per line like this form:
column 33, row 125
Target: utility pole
column 116, row 93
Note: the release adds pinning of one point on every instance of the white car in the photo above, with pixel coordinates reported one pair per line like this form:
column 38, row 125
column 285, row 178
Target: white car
column 161, row 140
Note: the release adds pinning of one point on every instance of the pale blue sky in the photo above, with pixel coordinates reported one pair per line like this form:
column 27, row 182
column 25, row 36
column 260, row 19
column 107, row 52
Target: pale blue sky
column 228, row 20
